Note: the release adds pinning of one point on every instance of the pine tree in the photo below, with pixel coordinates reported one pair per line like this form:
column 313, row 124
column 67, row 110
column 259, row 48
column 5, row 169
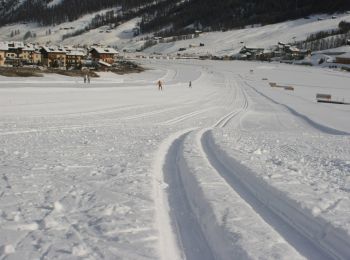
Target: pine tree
column 27, row 35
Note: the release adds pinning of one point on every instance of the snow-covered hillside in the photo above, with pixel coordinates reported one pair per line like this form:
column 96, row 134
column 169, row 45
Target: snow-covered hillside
column 216, row 43
column 228, row 169
column 230, row 42
column 53, row 34
column 54, row 2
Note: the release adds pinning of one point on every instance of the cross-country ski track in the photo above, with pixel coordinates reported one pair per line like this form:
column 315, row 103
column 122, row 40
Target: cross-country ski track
column 228, row 169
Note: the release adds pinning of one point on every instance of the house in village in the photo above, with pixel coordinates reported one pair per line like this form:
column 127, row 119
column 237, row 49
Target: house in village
column 17, row 54
column 27, row 54
column 105, row 55
column 293, row 52
column 53, row 57
column 75, row 57
column 13, row 53
column 251, row 53
column 30, row 55
column 3, row 50
column 343, row 59
column 266, row 55
column 37, row 57
column 289, row 52
column 279, row 52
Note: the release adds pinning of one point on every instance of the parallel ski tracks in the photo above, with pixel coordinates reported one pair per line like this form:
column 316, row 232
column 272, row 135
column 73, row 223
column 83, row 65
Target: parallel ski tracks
column 113, row 121
column 193, row 241
column 276, row 219
column 224, row 121
column 187, row 116
column 190, row 236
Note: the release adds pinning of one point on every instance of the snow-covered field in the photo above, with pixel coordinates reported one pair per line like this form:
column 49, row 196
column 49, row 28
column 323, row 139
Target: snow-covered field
column 228, row 169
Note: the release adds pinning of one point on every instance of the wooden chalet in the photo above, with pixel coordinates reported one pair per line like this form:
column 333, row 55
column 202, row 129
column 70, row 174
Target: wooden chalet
column 3, row 49
column 30, row 55
column 13, row 53
column 343, row 59
column 108, row 55
column 53, row 57
column 75, row 57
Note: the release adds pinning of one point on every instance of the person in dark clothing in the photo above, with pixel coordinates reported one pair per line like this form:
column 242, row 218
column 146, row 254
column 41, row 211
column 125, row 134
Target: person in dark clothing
column 160, row 85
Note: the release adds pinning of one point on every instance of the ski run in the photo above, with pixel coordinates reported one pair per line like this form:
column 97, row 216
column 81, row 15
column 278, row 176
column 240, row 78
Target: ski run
column 231, row 168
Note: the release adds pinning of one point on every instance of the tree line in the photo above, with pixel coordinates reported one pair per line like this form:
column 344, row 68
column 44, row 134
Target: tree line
column 172, row 16
column 68, row 10
column 229, row 14
column 325, row 40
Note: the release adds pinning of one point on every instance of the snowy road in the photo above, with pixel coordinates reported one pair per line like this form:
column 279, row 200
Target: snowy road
column 228, row 169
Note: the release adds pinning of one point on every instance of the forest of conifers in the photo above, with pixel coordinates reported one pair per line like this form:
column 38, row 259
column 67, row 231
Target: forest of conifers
column 172, row 14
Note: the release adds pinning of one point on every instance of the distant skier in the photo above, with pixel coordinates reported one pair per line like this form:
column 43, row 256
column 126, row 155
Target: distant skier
column 190, row 84
column 160, row 85
column 85, row 78
column 88, row 78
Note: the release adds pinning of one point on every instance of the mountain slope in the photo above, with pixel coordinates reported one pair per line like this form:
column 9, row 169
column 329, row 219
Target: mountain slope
column 48, row 12
column 230, row 42
column 216, row 43
column 227, row 14
column 175, row 16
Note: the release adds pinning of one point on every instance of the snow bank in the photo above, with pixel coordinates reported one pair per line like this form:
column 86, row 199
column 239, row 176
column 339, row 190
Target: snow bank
column 290, row 191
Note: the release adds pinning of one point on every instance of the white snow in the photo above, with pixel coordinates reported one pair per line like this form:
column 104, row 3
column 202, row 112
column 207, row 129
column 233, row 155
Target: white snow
column 54, row 2
column 230, row 42
column 116, row 169
column 8, row 249
column 120, row 35
column 216, row 43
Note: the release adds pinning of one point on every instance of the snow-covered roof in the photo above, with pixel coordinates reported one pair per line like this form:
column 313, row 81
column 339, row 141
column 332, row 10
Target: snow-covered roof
column 335, row 51
column 344, row 56
column 292, row 48
column 6, row 45
column 101, row 50
column 253, row 48
column 3, row 47
column 76, row 53
column 54, row 49
column 73, row 48
column 29, row 48
column 15, row 44
column 104, row 63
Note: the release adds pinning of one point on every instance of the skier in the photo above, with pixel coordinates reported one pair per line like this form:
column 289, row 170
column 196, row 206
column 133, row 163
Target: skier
column 85, row 77
column 190, row 84
column 160, row 85
column 88, row 78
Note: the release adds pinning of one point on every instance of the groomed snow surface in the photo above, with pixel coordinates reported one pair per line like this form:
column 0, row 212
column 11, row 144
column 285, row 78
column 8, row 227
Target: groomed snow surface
column 228, row 169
